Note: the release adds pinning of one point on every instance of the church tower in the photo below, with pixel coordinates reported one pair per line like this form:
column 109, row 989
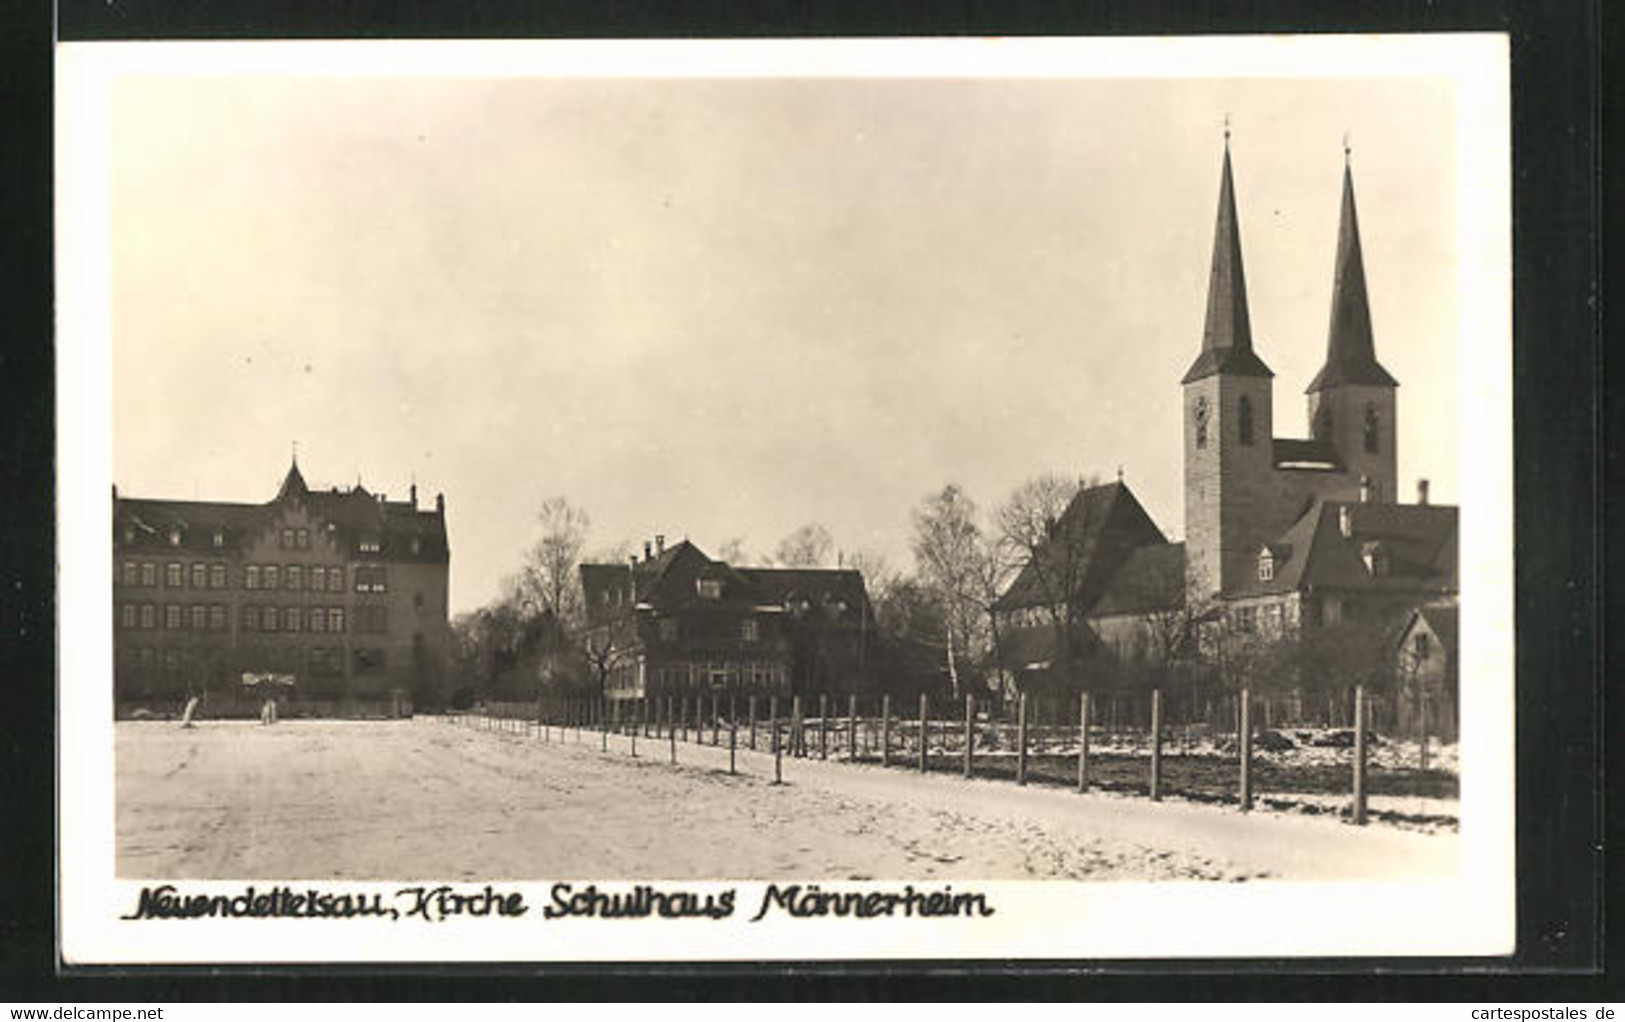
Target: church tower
column 1228, row 422
column 1352, row 399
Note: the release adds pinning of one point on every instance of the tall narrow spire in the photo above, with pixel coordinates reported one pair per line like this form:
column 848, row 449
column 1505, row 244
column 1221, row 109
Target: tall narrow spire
column 293, row 484
column 1351, row 355
column 1227, row 333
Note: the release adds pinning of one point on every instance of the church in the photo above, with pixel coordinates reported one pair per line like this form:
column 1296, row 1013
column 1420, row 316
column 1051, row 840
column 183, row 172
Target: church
column 1283, row 535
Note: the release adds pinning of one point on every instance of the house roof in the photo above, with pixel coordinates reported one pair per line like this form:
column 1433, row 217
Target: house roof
column 1351, row 356
column 1227, row 331
column 1444, row 621
column 1418, row 541
column 666, row 582
column 1098, row 529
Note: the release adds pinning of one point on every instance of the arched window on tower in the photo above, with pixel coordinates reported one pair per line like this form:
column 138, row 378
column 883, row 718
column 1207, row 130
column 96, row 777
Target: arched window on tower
column 1244, row 419
column 1373, row 429
column 1200, row 415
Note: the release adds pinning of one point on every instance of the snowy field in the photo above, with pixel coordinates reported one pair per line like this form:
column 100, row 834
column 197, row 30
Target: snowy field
column 426, row 799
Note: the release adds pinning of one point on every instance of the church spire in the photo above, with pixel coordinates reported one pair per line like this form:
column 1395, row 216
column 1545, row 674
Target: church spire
column 1351, row 355
column 1227, row 333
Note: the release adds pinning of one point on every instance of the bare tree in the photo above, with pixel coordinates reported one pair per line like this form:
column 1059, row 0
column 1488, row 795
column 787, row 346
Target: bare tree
column 949, row 549
column 1050, row 547
column 808, row 547
column 548, row 578
column 733, row 552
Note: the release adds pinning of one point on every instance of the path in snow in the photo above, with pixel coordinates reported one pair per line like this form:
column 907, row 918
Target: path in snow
column 427, row 799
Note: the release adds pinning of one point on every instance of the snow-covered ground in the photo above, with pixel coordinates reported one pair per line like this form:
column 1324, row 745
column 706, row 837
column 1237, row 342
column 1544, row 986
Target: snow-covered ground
column 426, row 798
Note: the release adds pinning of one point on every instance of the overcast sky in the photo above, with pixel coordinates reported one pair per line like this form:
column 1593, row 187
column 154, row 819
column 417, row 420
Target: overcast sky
column 727, row 308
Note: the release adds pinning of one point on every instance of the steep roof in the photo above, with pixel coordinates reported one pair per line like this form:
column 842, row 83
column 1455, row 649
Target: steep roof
column 1151, row 578
column 1418, row 542
column 817, row 586
column 144, row 522
column 1351, row 355
column 1098, row 529
column 1227, row 331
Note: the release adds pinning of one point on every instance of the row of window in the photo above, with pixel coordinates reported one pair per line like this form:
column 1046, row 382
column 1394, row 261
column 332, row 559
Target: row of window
column 750, row 630
column 322, row 661
column 1370, row 431
column 716, row 675
column 201, row 575
column 252, row 618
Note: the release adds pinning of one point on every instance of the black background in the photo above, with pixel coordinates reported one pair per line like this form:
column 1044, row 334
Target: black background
column 1563, row 410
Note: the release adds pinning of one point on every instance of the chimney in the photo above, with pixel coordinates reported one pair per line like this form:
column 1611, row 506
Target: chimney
column 1345, row 520
column 648, row 548
column 1365, row 489
column 660, row 543
column 1421, row 491
column 414, row 492
column 440, row 502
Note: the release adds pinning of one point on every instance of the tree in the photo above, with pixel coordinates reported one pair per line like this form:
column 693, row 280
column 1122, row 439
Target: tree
column 733, row 552
column 548, row 578
column 1050, row 546
column 808, row 547
column 949, row 550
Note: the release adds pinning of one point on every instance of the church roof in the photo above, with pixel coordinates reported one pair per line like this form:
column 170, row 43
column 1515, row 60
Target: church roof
column 1227, row 332
column 1098, row 529
column 1351, row 355
column 1151, row 578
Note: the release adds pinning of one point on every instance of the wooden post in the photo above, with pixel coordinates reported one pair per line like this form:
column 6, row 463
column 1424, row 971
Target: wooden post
column 752, row 710
column 852, row 727
column 796, row 728
column 733, row 708
column 970, row 731
column 1156, row 745
column 603, row 726
column 1359, row 755
column 733, row 741
column 1021, row 739
column 925, row 706
column 699, row 719
column 716, row 722
column 1083, row 742
column 671, row 733
column 823, row 726
column 885, row 730
column 773, row 739
column 1422, row 713
column 635, row 723
column 1244, row 742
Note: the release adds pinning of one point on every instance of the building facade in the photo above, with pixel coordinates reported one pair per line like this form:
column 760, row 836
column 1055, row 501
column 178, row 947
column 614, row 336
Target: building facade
column 1282, row 534
column 340, row 596
column 678, row 622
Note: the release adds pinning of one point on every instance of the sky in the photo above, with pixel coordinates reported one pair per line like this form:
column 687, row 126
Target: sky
column 726, row 308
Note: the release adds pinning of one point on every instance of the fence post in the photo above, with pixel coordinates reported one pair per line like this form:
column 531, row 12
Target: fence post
column 925, row 705
column 752, row 706
column 1083, row 741
column 1021, row 739
column 671, row 733
column 716, row 722
column 603, row 726
column 1359, row 755
column 823, row 725
column 970, row 731
column 1244, row 741
column 733, row 742
column 1156, row 745
column 1422, row 714
column 852, row 726
column 635, row 719
column 885, row 729
column 699, row 719
column 773, row 739
column 795, row 726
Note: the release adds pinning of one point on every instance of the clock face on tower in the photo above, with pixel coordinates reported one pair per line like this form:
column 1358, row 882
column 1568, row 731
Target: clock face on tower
column 1200, row 414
